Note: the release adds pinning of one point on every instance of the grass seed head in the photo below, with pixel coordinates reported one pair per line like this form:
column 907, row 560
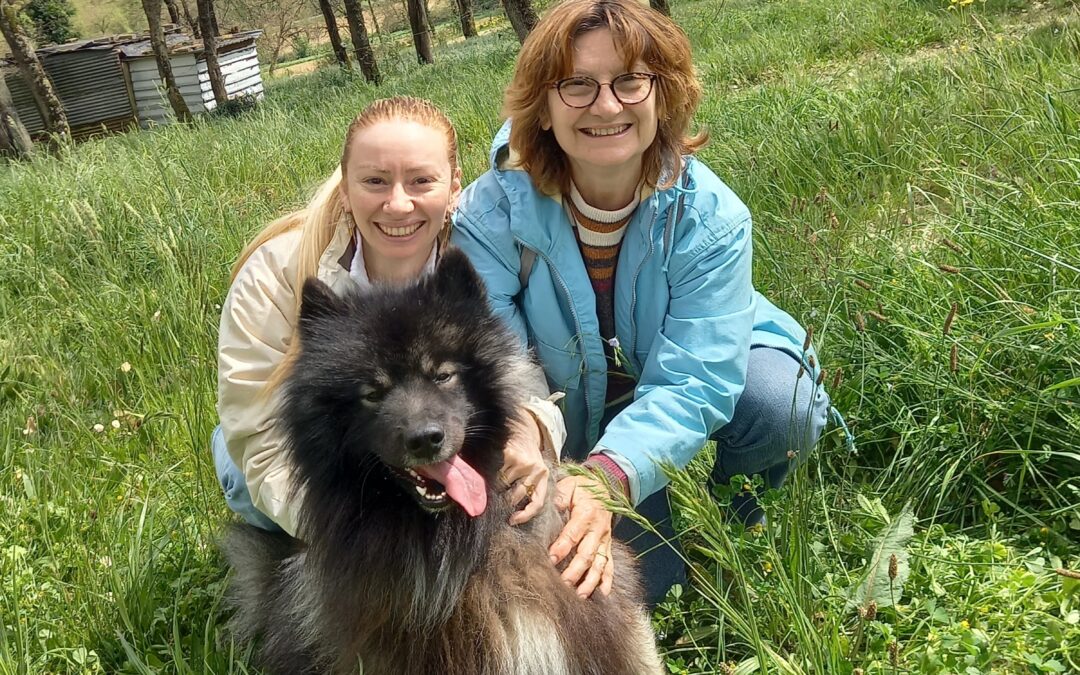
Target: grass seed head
column 837, row 378
column 820, row 377
column 860, row 322
column 894, row 653
column 949, row 269
column 809, row 337
column 954, row 360
column 869, row 612
column 878, row 315
column 863, row 285
column 953, row 245
column 894, row 565
column 949, row 319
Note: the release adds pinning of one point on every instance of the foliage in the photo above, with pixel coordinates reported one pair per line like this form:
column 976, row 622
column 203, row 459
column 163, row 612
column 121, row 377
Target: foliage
column 52, row 20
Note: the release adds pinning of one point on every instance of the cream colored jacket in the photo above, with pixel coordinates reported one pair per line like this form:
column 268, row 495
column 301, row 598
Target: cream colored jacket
column 257, row 323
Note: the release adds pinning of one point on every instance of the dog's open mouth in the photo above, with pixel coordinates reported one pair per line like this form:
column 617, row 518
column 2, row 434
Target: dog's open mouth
column 436, row 485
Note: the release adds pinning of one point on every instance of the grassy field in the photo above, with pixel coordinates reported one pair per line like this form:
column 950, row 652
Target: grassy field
column 914, row 172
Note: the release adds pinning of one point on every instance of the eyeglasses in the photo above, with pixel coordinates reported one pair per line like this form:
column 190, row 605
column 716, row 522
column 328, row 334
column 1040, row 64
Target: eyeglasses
column 628, row 89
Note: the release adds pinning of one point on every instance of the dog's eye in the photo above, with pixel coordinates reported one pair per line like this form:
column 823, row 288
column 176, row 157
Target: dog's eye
column 372, row 396
column 443, row 377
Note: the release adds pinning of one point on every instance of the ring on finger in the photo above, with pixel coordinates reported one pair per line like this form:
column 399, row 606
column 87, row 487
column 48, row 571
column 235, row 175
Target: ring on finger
column 529, row 489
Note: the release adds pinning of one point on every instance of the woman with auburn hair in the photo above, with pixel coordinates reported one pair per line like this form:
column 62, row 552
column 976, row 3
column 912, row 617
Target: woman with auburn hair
column 626, row 264
column 382, row 217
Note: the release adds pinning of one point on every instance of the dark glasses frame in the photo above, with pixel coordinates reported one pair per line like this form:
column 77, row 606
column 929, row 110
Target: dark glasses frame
column 558, row 85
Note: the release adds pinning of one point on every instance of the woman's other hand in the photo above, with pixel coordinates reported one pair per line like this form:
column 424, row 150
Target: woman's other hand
column 588, row 530
column 524, row 469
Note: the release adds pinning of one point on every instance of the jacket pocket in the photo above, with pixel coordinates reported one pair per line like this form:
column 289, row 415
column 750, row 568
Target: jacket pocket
column 561, row 366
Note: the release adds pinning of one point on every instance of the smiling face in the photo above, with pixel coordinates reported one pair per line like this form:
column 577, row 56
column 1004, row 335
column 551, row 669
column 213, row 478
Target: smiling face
column 608, row 137
column 398, row 185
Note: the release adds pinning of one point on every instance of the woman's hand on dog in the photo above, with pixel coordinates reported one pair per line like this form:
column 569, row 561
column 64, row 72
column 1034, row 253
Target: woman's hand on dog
column 589, row 531
column 524, row 468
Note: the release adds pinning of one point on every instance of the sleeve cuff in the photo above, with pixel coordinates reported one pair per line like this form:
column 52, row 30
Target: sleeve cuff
column 605, row 458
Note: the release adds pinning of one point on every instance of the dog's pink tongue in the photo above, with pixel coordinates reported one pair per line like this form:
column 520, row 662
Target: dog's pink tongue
column 464, row 485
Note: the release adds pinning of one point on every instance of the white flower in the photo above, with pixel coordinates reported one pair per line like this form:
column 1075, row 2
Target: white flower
column 99, row 428
column 125, row 367
column 116, row 424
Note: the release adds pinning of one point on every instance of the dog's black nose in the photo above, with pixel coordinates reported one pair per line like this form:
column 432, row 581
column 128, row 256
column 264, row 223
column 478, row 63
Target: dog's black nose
column 427, row 440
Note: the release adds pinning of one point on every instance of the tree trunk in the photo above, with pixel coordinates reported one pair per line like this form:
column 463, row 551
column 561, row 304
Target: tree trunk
column 174, row 13
column 22, row 52
column 340, row 54
column 365, row 56
column 14, row 140
column 429, row 20
column 191, row 21
column 661, row 6
column 421, row 37
column 468, row 24
column 522, row 17
column 213, row 19
column 213, row 69
column 161, row 54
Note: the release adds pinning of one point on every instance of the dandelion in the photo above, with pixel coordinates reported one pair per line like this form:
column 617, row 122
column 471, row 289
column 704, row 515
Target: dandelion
column 949, row 320
column 863, row 285
column 98, row 428
column 964, row 624
column 125, row 367
column 949, row 269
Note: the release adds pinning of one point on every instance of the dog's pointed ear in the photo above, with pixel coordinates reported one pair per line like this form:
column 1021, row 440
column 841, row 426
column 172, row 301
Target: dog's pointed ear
column 317, row 303
column 456, row 276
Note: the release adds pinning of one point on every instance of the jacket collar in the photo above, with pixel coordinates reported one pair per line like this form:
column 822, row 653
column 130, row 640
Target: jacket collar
column 532, row 211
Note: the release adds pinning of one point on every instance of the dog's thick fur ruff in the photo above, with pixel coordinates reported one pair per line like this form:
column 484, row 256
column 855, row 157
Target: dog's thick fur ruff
column 381, row 576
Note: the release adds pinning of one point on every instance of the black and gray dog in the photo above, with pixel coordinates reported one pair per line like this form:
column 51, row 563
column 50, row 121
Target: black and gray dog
column 395, row 414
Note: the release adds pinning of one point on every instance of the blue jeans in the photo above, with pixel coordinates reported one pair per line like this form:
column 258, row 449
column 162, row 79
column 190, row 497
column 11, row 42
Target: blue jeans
column 777, row 412
column 234, row 485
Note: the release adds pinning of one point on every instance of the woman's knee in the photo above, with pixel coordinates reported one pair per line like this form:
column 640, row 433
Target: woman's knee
column 779, row 417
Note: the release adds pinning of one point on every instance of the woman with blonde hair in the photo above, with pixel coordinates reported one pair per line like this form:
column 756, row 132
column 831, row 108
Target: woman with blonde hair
column 626, row 264
column 381, row 218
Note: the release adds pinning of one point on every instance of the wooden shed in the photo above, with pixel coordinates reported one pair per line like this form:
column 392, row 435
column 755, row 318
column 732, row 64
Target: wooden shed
column 111, row 83
column 237, row 58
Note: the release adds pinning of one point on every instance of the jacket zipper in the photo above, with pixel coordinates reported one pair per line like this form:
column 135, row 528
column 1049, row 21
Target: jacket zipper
column 577, row 328
column 633, row 287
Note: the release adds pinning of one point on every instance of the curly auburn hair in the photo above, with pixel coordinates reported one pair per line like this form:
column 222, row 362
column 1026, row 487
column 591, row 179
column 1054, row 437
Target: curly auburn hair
column 640, row 33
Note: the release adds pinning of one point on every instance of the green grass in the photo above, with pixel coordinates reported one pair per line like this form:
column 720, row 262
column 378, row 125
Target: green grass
column 898, row 158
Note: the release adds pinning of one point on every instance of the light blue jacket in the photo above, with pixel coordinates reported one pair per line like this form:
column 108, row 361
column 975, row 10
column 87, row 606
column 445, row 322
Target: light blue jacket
column 686, row 312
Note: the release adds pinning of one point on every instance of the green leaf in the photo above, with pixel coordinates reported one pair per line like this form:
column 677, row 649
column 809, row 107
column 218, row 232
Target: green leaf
column 876, row 584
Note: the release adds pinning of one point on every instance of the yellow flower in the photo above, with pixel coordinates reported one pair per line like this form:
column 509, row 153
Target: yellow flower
column 125, row 367
column 964, row 624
